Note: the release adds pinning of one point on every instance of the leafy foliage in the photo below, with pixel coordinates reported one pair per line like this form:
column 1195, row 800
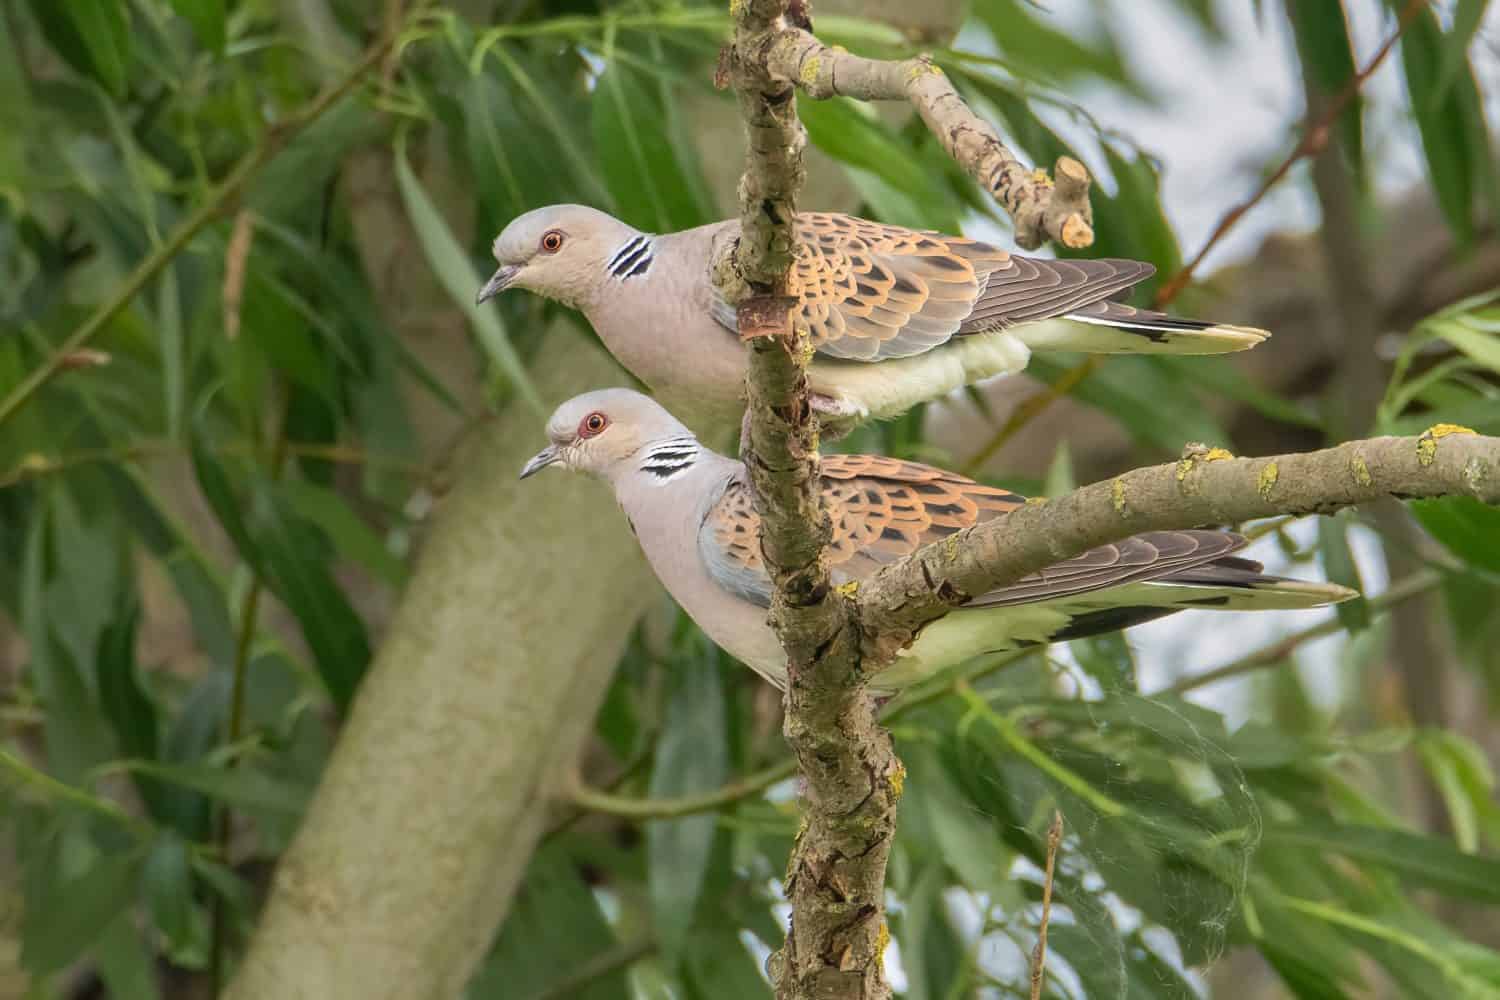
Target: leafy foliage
column 204, row 523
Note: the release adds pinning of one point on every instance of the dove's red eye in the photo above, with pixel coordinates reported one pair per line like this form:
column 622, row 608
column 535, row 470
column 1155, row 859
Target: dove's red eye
column 552, row 241
column 592, row 424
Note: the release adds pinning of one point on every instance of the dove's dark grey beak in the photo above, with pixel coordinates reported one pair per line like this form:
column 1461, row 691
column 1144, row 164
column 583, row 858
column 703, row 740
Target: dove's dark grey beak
column 496, row 284
column 540, row 461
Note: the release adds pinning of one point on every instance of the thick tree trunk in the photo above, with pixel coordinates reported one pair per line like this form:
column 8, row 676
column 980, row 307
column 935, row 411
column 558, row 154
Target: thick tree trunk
column 487, row 683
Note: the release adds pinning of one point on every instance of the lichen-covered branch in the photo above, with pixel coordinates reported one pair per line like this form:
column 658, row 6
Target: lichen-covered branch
column 1042, row 208
column 836, row 876
column 1207, row 486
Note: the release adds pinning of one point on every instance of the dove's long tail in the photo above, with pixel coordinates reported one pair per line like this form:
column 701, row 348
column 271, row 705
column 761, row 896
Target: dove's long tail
column 1115, row 328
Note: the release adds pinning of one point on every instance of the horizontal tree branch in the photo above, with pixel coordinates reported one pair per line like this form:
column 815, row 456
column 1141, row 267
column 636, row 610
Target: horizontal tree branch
column 1204, row 487
column 1042, row 208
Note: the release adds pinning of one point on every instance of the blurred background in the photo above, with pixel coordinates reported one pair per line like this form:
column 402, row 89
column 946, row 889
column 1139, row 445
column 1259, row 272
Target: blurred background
column 247, row 407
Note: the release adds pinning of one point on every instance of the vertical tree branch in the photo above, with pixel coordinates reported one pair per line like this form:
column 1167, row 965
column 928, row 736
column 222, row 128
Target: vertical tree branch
column 836, row 875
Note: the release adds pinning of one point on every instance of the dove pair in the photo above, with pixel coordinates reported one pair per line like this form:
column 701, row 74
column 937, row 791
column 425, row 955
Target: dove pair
column 895, row 317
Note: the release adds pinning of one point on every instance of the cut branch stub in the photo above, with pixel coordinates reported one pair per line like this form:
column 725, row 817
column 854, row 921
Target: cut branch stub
column 765, row 316
column 1042, row 207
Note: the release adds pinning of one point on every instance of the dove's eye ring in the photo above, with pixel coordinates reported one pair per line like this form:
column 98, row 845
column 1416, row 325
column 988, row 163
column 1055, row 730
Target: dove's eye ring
column 552, row 241
column 592, row 425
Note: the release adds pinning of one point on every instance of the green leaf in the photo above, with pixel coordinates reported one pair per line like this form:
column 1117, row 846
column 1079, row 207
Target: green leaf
column 1150, row 399
column 296, row 566
column 127, row 963
column 1467, row 16
column 167, row 883
column 645, row 174
column 242, row 787
column 1416, row 858
column 1477, row 344
column 71, row 918
column 1338, row 563
column 1466, row 527
column 126, row 704
column 207, row 19
column 1442, row 122
column 845, row 130
column 717, row 964
column 76, row 734
column 1043, row 52
column 1327, row 53
column 219, row 492
column 1467, row 782
column 353, row 538
column 456, row 274
column 530, row 955
column 92, row 36
column 691, row 756
column 930, row 949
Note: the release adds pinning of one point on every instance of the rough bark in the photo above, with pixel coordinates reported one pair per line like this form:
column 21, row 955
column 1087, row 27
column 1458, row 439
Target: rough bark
column 482, row 692
column 836, row 875
column 1042, row 208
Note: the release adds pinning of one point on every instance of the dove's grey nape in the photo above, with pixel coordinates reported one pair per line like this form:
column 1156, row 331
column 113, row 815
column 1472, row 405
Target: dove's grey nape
column 692, row 511
column 896, row 316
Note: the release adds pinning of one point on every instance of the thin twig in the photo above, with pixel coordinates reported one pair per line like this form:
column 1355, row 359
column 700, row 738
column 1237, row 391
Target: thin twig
column 1039, row 953
column 221, row 199
column 1028, row 409
column 236, row 261
column 1314, row 137
column 249, row 614
column 640, row 809
column 600, row 966
column 1276, row 652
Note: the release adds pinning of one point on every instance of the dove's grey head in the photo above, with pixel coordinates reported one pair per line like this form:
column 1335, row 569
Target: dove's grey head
column 609, row 431
column 559, row 252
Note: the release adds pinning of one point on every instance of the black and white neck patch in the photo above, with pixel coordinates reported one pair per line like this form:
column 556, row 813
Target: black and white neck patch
column 632, row 260
column 668, row 458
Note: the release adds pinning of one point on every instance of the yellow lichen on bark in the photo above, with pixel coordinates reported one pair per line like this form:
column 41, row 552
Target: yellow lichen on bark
column 1427, row 443
column 1266, row 481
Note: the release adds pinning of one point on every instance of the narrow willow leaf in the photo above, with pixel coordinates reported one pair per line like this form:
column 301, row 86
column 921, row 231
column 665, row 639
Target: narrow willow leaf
column 207, row 19
column 76, row 734
column 1327, row 54
column 244, row 787
column 1467, row 16
column 353, row 538
column 72, row 917
column 691, row 756
column 219, row 492
column 1467, row 528
column 295, row 561
column 167, row 883
column 456, row 274
column 92, row 36
column 1442, row 123
column 530, row 955
column 1339, row 564
column 1420, row 859
column 644, row 172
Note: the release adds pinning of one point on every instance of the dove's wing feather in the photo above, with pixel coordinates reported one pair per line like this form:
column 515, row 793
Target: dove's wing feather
column 872, row 292
column 882, row 509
